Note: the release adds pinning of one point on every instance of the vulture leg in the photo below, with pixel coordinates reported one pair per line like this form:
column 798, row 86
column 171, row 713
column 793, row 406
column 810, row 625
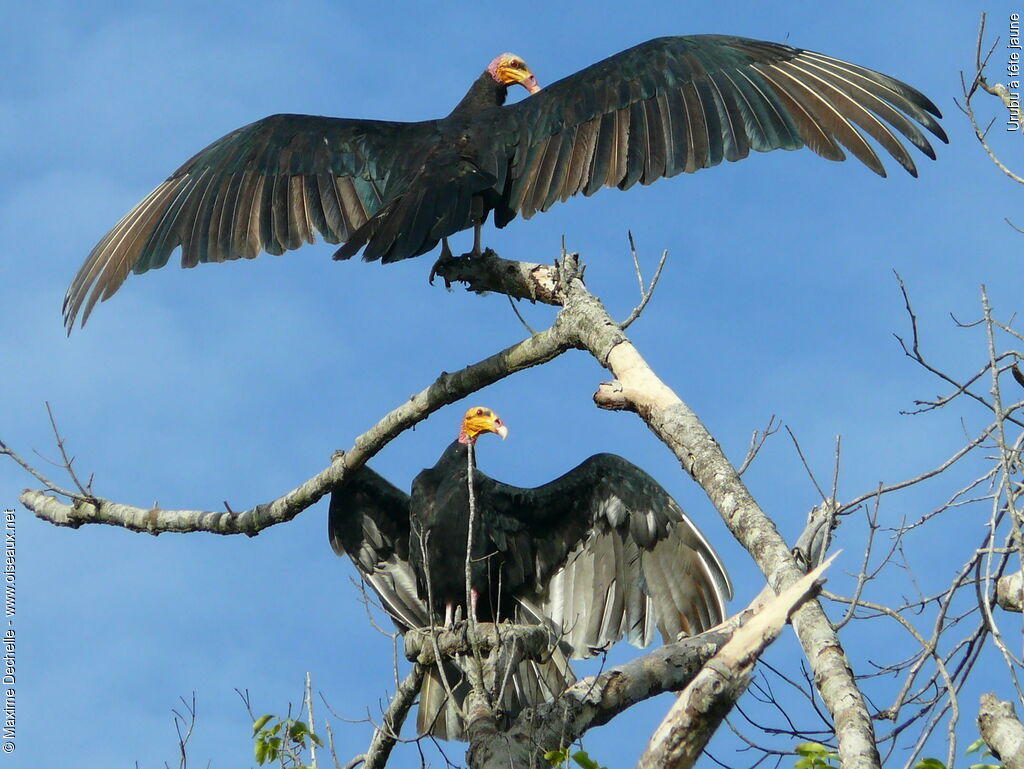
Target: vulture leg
column 477, row 229
column 446, row 250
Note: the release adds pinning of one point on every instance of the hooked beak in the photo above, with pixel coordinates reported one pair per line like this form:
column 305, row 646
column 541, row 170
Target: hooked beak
column 479, row 420
column 530, row 84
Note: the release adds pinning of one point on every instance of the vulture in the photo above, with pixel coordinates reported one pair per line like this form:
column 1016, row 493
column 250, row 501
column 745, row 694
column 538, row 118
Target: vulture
column 395, row 190
column 597, row 554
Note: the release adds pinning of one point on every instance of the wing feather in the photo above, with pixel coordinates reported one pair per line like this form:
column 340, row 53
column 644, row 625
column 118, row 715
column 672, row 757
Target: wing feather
column 825, row 115
column 855, row 112
column 335, row 230
column 681, row 104
column 612, row 555
column 580, row 160
column 258, row 188
column 544, row 177
column 369, row 521
column 865, row 92
column 697, row 137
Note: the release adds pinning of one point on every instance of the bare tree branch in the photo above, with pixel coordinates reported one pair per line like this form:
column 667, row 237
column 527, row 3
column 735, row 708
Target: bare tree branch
column 386, row 735
column 696, row 714
column 998, row 90
column 1002, row 731
column 1010, row 592
column 675, row 424
column 446, row 389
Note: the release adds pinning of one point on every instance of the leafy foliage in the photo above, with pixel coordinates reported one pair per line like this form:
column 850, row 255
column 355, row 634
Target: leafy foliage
column 979, row 747
column 814, row 755
column 282, row 740
column 560, row 758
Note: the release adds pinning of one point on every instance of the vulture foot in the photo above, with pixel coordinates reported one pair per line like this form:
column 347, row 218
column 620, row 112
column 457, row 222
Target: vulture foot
column 447, row 266
column 444, row 263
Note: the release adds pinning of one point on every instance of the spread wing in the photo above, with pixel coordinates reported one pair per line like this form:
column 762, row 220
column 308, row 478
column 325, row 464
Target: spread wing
column 268, row 186
column 369, row 521
column 609, row 553
column 678, row 104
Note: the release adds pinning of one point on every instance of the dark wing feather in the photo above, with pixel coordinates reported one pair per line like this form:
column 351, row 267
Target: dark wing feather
column 678, row 104
column 369, row 521
column 611, row 554
column 269, row 186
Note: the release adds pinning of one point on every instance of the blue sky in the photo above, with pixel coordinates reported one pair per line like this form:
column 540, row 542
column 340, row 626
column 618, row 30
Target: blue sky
column 236, row 382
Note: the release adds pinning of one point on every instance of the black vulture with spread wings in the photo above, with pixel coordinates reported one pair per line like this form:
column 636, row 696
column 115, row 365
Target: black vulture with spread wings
column 668, row 106
column 599, row 554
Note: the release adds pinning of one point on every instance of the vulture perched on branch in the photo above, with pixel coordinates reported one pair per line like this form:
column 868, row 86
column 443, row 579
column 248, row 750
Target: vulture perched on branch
column 600, row 553
column 668, row 106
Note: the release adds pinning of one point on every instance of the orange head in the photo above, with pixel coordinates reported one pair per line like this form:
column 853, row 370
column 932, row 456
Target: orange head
column 509, row 69
column 480, row 420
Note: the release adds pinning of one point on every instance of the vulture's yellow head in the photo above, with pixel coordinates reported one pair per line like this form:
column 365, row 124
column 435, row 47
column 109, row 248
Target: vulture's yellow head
column 509, row 69
column 480, row 420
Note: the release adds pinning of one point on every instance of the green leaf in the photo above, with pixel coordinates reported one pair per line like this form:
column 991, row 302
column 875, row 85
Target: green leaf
column 260, row 723
column 975, row 746
column 261, row 752
column 811, row 749
column 929, row 763
column 584, row 760
column 270, row 731
column 557, row 757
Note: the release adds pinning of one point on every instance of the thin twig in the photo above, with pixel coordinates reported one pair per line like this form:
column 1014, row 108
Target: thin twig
column 757, row 441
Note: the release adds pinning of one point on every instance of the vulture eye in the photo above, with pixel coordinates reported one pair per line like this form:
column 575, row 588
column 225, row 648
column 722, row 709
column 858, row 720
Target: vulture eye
column 480, row 412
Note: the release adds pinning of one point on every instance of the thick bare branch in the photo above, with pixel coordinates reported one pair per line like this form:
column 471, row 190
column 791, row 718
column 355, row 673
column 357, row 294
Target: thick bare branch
column 386, row 735
column 1010, row 592
column 1002, row 731
column 639, row 389
column 446, row 389
column 696, row 714
column 523, row 641
column 489, row 272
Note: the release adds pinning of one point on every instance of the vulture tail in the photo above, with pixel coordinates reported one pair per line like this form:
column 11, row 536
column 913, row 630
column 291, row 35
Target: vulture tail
column 531, row 684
